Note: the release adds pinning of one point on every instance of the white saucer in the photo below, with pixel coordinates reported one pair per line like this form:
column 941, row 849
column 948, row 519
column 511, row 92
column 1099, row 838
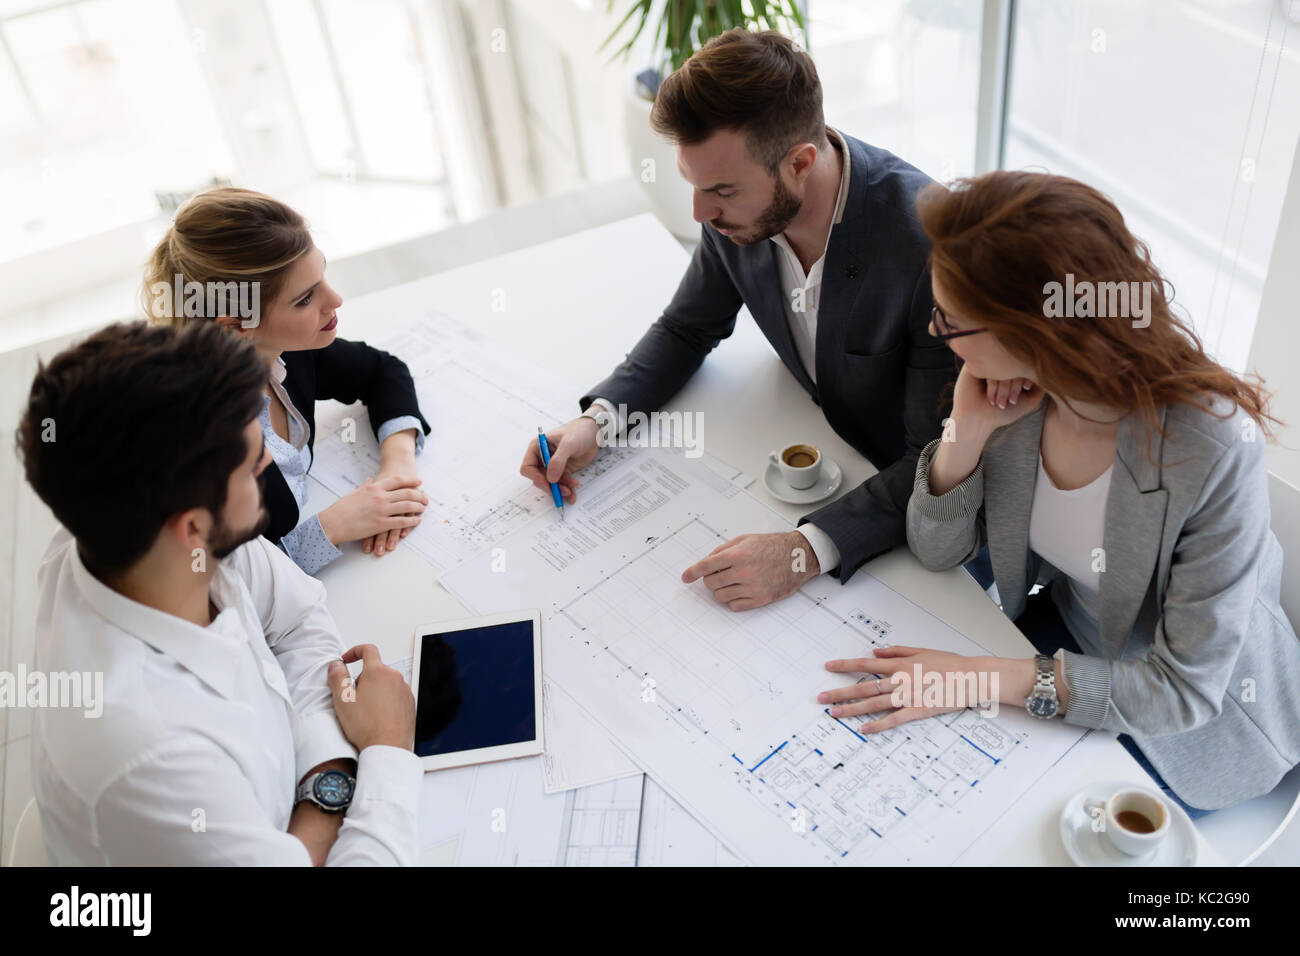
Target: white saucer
column 1087, row 847
column 828, row 482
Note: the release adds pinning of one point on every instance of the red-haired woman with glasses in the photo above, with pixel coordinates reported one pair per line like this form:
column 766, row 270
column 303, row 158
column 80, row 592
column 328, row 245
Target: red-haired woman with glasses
column 1099, row 452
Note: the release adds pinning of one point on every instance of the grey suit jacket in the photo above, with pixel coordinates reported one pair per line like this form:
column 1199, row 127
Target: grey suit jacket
column 1200, row 665
column 880, row 374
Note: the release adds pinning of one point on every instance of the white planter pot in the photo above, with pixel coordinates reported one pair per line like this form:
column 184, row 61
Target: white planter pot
column 654, row 166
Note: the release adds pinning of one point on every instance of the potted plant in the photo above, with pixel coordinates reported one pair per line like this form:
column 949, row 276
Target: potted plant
column 680, row 28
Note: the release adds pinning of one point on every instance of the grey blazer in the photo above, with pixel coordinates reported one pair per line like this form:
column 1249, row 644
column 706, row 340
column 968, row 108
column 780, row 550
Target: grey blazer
column 1200, row 665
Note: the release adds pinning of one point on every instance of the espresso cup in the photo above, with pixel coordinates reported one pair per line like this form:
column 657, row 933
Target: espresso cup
column 800, row 464
column 1134, row 819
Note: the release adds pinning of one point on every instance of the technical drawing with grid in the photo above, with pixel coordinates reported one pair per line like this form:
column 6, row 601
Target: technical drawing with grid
column 707, row 663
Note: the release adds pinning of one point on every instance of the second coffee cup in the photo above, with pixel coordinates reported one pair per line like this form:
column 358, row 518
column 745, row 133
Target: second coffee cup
column 800, row 464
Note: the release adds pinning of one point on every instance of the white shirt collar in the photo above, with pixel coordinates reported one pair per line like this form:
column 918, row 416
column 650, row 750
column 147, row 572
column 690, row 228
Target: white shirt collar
column 210, row 653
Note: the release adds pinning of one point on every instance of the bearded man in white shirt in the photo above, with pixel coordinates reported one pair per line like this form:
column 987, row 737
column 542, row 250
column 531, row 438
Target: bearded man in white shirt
column 231, row 732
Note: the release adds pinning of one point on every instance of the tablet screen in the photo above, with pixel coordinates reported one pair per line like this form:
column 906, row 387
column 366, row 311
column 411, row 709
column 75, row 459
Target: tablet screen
column 476, row 689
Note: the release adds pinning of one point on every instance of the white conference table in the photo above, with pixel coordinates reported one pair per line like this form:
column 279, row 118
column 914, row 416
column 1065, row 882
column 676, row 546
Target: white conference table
column 578, row 304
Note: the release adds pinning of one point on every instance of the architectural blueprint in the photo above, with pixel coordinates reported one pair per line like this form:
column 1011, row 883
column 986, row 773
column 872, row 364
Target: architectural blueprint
column 720, row 707
column 470, row 465
column 483, row 403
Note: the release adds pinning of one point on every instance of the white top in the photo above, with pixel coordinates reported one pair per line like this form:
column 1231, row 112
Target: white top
column 1065, row 529
column 205, row 732
column 798, row 285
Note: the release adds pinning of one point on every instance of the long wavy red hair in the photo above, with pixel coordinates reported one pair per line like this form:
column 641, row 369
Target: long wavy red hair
column 998, row 240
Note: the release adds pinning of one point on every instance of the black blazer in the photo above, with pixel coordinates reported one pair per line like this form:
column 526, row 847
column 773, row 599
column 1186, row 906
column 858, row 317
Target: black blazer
column 879, row 372
column 347, row 372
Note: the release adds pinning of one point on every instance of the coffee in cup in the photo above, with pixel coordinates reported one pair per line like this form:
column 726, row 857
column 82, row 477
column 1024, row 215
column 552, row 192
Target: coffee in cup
column 800, row 464
column 1133, row 819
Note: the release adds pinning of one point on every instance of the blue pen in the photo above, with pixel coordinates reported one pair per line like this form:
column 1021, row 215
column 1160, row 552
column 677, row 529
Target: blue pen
column 546, row 463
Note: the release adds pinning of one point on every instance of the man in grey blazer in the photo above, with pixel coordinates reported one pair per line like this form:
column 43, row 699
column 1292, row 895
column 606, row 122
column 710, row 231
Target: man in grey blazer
column 814, row 231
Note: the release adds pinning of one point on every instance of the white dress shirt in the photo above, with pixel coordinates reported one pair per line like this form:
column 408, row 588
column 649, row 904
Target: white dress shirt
column 796, row 284
column 205, row 731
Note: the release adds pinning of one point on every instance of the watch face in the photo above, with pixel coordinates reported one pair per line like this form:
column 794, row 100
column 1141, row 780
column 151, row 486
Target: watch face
column 333, row 788
column 1041, row 705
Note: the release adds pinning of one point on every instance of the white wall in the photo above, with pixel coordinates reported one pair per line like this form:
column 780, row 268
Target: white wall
column 1276, row 345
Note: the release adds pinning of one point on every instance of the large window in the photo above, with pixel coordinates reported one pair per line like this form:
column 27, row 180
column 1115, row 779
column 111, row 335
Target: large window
column 1186, row 113
column 902, row 74
column 384, row 119
column 103, row 104
column 361, row 86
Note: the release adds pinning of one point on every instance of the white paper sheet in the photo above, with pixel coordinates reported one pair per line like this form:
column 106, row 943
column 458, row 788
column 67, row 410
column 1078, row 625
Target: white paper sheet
column 483, row 403
column 499, row 816
column 720, row 707
column 578, row 752
column 469, row 469
column 672, row 837
column 508, row 820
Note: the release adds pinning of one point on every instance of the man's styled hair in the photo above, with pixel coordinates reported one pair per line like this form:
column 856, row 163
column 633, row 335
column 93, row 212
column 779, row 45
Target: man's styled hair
column 134, row 425
column 758, row 84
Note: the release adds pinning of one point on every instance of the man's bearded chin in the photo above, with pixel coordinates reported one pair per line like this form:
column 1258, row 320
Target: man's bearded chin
column 784, row 206
column 225, row 540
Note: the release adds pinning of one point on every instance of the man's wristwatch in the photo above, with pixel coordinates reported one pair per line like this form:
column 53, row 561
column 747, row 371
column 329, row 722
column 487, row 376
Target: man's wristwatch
column 331, row 790
column 1042, row 700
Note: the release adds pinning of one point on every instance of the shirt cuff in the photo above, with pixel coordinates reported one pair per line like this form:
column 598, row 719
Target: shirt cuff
column 320, row 738
column 307, row 544
column 390, row 775
column 399, row 424
column 828, row 555
column 386, row 803
column 961, row 501
column 618, row 415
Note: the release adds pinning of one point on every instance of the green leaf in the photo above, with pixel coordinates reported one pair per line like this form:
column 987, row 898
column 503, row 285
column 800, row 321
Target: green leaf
column 641, row 6
column 683, row 26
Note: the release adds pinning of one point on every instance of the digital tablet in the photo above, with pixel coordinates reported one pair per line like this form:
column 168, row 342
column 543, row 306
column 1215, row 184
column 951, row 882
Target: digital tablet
column 478, row 689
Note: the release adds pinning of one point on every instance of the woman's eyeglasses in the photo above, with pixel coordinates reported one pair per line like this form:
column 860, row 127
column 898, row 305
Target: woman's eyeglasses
column 941, row 330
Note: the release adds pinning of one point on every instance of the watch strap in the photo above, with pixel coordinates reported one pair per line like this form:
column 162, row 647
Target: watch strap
column 1044, row 685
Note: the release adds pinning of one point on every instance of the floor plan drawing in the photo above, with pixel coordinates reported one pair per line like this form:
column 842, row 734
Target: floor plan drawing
column 470, row 465
column 826, row 778
column 720, row 707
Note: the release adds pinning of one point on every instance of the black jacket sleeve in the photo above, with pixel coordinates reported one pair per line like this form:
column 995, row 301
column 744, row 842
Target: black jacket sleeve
column 349, row 371
column 702, row 313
